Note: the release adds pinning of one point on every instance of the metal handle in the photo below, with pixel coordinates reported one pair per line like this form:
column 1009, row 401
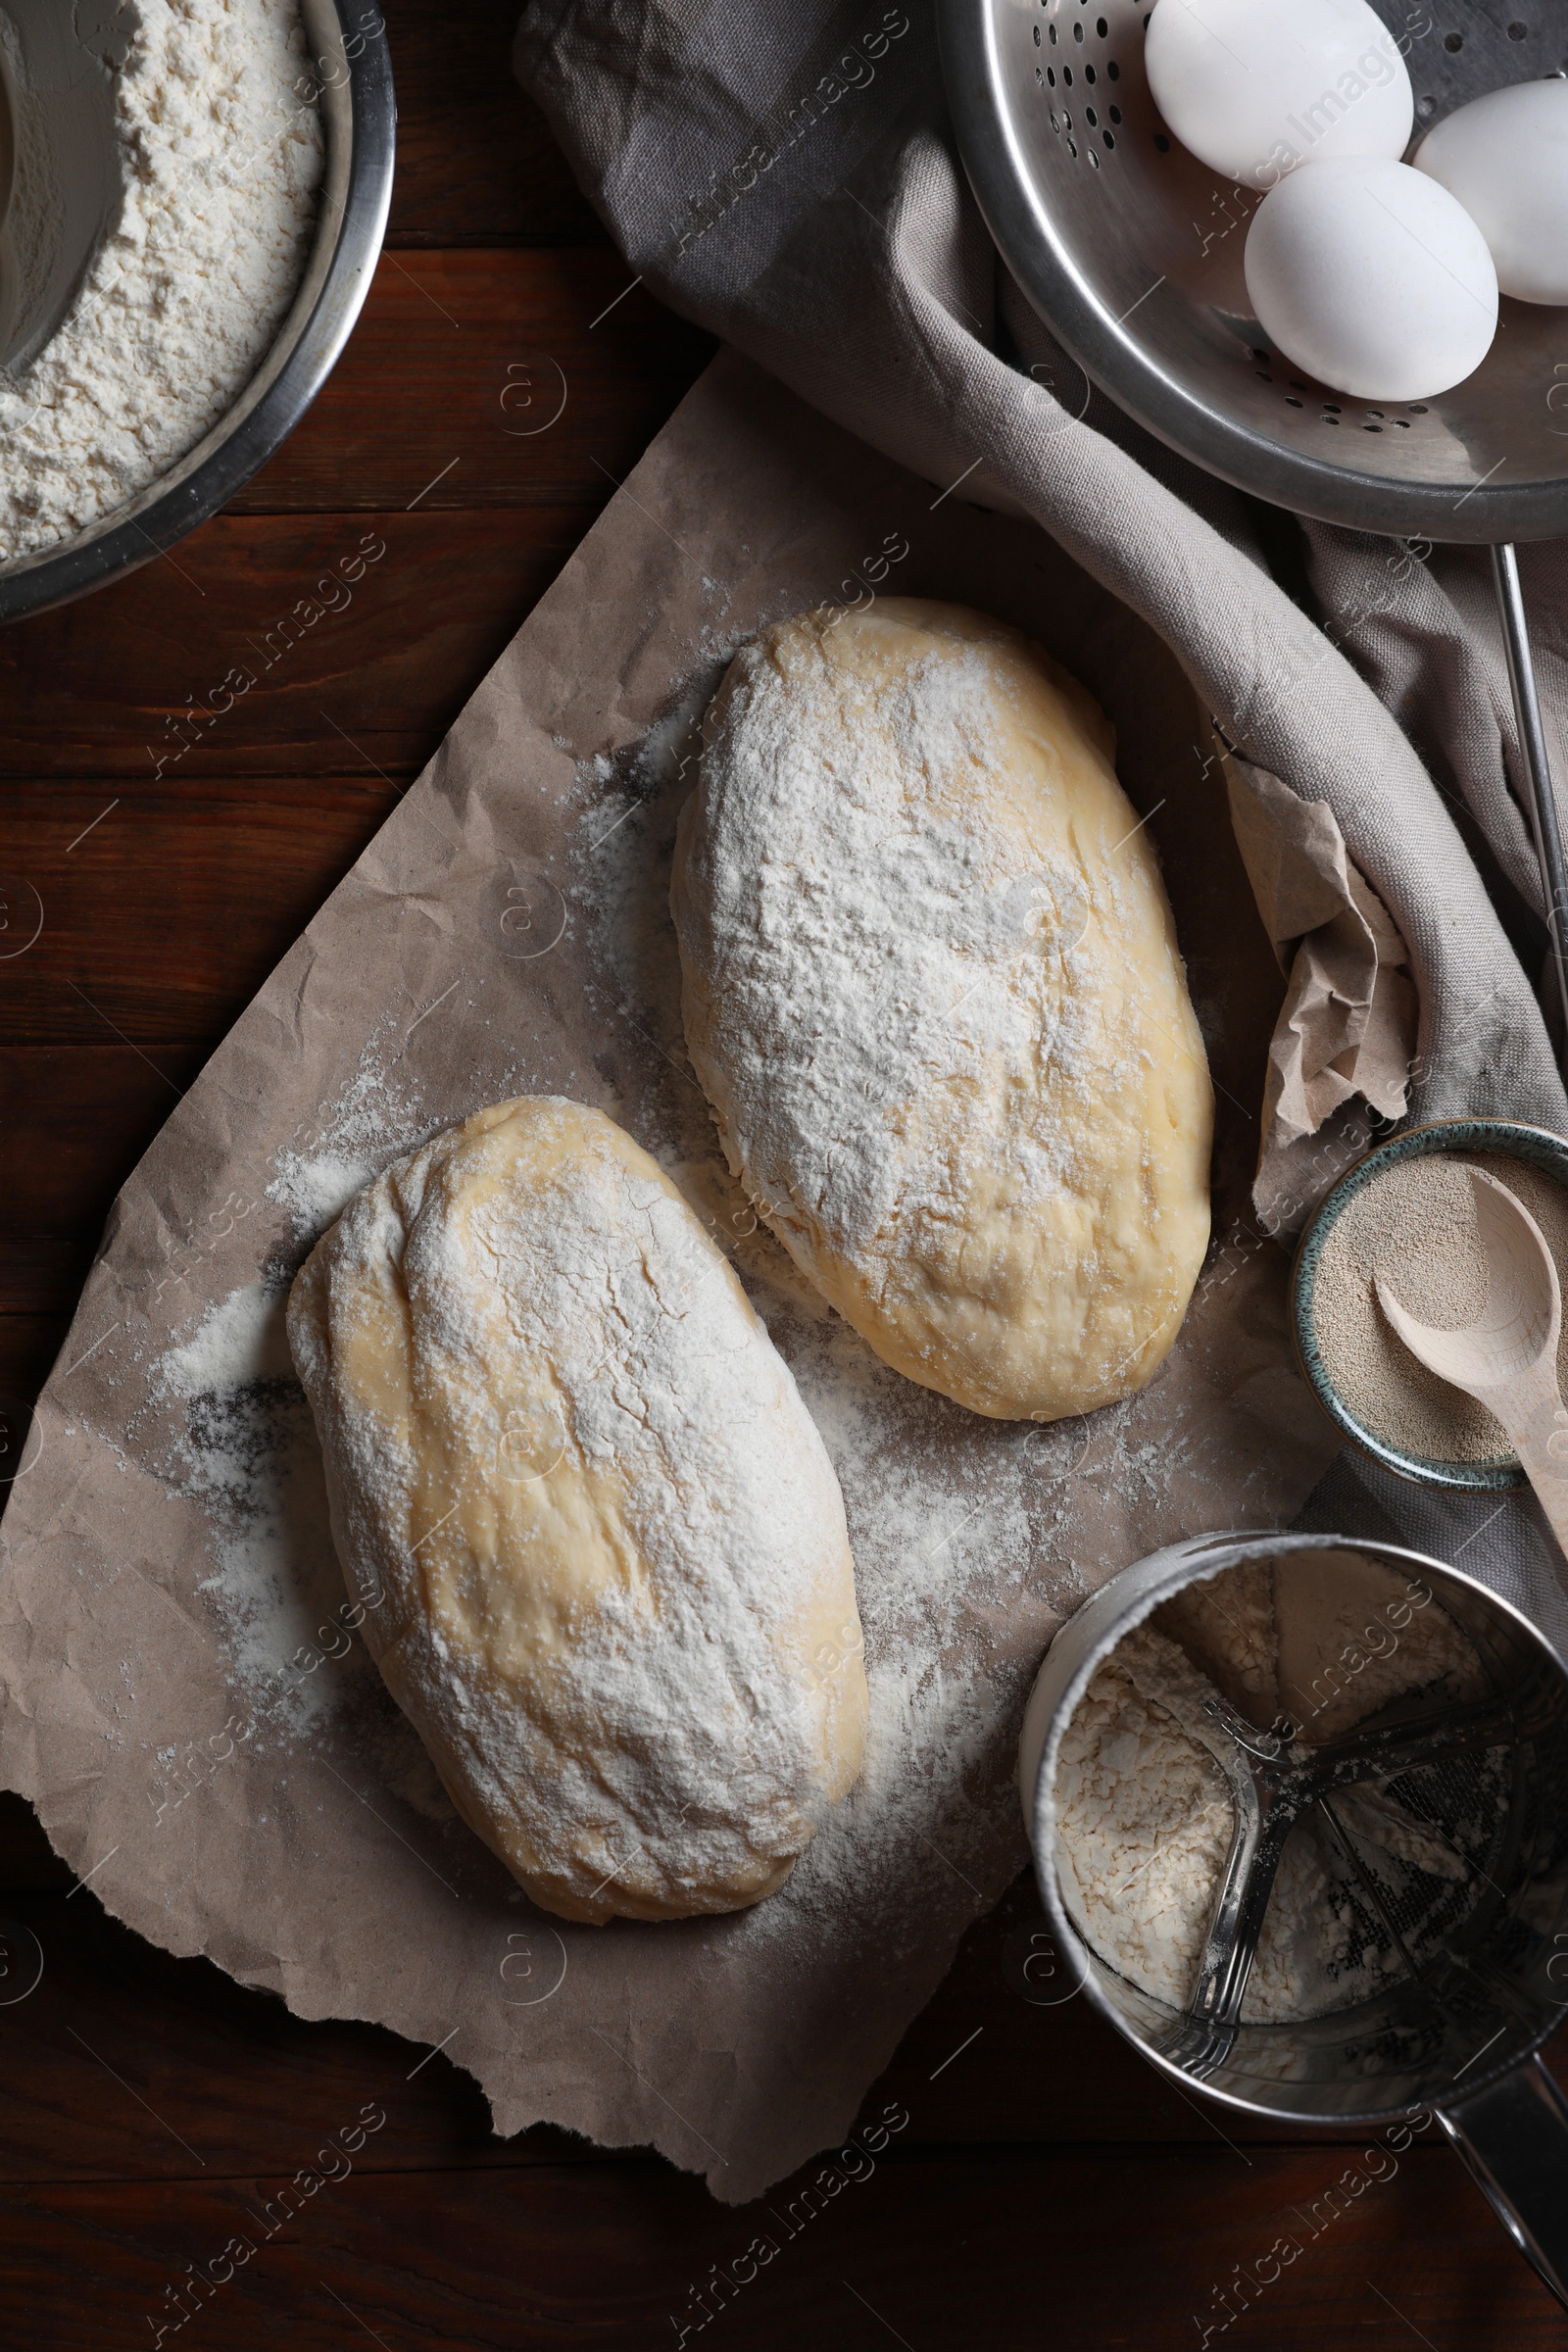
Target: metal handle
column 1205, row 2032
column 1543, row 823
column 1513, row 2137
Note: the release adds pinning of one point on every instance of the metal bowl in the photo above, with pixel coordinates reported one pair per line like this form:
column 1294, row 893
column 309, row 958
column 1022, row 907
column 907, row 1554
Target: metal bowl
column 354, row 84
column 1542, row 1150
column 1131, row 251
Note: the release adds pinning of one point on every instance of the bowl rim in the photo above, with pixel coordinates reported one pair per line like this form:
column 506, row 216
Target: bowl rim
column 228, row 456
column 1514, row 1138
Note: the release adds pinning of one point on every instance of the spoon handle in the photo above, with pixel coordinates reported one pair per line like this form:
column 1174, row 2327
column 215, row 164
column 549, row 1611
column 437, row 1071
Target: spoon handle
column 1531, row 1410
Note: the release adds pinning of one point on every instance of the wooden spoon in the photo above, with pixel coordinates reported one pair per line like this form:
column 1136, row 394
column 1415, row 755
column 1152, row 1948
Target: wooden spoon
column 1507, row 1358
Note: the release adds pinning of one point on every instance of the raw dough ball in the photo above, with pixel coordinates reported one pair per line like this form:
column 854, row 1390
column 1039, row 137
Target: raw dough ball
column 932, row 991
column 617, row 1601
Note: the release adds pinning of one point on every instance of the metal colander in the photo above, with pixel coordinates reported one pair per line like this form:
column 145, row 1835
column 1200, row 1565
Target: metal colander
column 1131, row 251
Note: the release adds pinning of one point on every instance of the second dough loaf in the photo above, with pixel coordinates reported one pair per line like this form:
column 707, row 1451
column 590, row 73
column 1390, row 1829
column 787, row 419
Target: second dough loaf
column 931, row 990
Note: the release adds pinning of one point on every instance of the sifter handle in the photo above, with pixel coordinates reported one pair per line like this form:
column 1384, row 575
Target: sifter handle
column 1513, row 2138
column 1543, row 819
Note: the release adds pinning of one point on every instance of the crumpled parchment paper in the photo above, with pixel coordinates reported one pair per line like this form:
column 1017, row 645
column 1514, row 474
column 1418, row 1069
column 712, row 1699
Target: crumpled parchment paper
column 187, row 1700
column 1345, row 1037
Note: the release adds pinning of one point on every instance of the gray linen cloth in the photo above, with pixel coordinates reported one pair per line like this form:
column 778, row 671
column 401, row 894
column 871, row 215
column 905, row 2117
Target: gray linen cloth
column 787, row 177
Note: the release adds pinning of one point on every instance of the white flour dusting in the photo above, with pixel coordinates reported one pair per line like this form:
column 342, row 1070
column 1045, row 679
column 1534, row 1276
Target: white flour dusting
column 882, row 953
column 249, row 1452
column 335, row 1154
column 239, row 1340
column 249, row 1449
column 221, row 158
column 251, row 1456
column 317, row 1191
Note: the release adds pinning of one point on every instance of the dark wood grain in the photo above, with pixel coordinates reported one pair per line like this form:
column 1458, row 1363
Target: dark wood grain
column 30, row 1342
column 159, row 923
column 502, row 181
column 1045, row 2190
column 164, row 918
column 938, row 2252
column 172, row 2031
column 495, row 379
column 277, row 640
column 28, row 1865
column 77, row 1120
column 256, row 656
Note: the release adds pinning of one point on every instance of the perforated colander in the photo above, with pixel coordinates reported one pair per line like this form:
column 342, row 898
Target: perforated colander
column 1131, row 251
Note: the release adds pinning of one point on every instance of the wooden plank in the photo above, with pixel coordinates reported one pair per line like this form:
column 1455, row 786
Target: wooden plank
column 500, row 378
column 160, row 923
column 74, row 1124
column 223, row 2066
column 164, row 909
column 1078, row 2251
column 28, row 1346
column 29, row 1866
column 277, row 645
column 477, row 163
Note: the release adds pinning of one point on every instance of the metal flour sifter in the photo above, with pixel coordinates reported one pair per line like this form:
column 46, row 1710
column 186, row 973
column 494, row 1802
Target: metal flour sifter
column 1448, row 1810
column 1131, row 251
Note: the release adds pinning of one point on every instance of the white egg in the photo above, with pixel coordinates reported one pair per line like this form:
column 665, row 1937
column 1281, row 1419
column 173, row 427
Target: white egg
column 1255, row 87
column 1372, row 277
column 1505, row 158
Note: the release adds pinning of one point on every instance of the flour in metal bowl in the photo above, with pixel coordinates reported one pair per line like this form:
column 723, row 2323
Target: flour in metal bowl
column 212, row 162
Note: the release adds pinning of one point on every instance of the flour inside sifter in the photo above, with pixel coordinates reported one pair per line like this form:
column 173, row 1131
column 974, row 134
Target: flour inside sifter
column 1297, row 1657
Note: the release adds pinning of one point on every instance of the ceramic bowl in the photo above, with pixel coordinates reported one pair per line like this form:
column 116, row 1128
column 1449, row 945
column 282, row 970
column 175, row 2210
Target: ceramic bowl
column 1548, row 1153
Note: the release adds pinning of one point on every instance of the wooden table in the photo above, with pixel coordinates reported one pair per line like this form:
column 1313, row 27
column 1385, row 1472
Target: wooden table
column 1047, row 2189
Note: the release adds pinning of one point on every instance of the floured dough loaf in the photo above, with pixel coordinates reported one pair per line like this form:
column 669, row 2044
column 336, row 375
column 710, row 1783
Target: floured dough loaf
column 616, row 1598
column 931, row 988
